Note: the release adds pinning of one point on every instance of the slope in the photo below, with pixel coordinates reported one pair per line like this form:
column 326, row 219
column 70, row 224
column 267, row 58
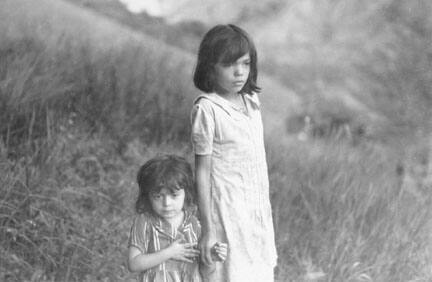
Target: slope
column 104, row 34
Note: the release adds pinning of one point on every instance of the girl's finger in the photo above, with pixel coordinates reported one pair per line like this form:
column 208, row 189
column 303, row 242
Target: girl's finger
column 192, row 253
column 221, row 250
column 222, row 246
column 185, row 259
column 188, row 245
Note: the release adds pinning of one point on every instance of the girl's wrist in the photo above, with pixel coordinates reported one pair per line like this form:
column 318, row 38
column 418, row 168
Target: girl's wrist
column 206, row 231
column 206, row 227
column 167, row 252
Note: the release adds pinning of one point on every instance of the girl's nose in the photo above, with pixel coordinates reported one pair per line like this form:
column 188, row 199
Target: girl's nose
column 166, row 200
column 238, row 70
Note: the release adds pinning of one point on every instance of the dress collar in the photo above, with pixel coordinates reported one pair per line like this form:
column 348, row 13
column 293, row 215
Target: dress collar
column 253, row 99
column 227, row 105
column 164, row 227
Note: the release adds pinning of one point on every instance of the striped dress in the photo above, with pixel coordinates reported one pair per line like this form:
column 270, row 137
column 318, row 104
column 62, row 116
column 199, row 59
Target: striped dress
column 151, row 234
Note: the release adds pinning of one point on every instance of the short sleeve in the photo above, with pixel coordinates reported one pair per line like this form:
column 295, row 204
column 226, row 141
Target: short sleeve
column 139, row 234
column 191, row 228
column 203, row 128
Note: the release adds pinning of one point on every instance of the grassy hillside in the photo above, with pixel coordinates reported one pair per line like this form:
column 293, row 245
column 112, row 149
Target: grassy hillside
column 368, row 70
column 84, row 101
column 372, row 56
column 81, row 109
column 184, row 35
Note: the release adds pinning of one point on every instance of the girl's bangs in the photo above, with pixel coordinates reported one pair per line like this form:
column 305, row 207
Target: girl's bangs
column 171, row 182
column 234, row 48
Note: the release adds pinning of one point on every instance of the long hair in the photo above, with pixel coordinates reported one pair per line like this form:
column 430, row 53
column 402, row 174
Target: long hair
column 168, row 171
column 224, row 44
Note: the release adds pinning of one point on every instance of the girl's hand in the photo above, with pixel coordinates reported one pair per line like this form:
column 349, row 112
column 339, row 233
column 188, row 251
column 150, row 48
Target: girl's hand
column 220, row 251
column 205, row 245
column 183, row 252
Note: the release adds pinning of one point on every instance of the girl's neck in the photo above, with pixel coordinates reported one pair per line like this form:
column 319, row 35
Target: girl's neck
column 227, row 95
column 234, row 98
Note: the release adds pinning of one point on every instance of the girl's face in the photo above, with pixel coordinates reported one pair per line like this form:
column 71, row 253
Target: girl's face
column 168, row 204
column 231, row 78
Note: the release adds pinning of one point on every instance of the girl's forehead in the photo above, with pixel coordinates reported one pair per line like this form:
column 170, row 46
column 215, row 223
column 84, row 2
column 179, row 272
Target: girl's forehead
column 166, row 187
column 233, row 59
column 165, row 190
column 244, row 57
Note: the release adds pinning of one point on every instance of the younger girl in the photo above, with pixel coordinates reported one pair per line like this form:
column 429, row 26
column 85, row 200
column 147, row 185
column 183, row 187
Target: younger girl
column 165, row 232
column 230, row 162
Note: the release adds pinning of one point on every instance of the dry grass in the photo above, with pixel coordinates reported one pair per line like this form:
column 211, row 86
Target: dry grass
column 70, row 116
column 374, row 58
column 345, row 212
column 76, row 121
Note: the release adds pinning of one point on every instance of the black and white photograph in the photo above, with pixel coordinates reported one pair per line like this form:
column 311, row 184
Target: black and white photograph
column 216, row 140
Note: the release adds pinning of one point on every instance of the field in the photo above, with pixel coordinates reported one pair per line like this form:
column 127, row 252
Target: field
column 85, row 100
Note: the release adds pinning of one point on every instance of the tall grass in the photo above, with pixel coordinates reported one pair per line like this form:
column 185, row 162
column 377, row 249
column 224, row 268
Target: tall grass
column 53, row 225
column 374, row 57
column 71, row 116
column 76, row 121
column 124, row 91
column 344, row 214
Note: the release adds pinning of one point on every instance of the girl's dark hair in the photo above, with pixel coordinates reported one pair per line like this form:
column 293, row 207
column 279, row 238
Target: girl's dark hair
column 224, row 44
column 168, row 171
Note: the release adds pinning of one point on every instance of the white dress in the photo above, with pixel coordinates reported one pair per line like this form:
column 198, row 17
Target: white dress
column 240, row 203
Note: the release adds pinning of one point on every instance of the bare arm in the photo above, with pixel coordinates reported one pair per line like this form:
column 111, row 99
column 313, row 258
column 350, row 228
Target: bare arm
column 138, row 261
column 202, row 174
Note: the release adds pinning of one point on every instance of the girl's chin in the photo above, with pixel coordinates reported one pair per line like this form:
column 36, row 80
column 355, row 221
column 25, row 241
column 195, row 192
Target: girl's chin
column 229, row 90
column 232, row 91
column 170, row 214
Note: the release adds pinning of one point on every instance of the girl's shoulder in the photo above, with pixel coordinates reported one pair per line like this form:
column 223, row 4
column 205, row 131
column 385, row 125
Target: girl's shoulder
column 212, row 102
column 144, row 219
column 206, row 101
column 254, row 99
column 191, row 215
column 205, row 105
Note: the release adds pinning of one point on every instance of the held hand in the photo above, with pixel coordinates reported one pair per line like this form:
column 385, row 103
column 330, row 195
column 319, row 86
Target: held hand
column 183, row 251
column 220, row 251
column 205, row 245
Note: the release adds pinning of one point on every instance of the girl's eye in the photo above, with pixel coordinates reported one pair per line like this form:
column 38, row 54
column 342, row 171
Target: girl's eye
column 156, row 196
column 247, row 63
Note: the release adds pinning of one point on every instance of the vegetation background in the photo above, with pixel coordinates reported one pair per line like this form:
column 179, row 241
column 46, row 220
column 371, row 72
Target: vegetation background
column 89, row 91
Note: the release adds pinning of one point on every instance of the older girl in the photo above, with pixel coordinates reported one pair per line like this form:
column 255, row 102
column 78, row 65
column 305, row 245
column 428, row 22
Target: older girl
column 230, row 161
